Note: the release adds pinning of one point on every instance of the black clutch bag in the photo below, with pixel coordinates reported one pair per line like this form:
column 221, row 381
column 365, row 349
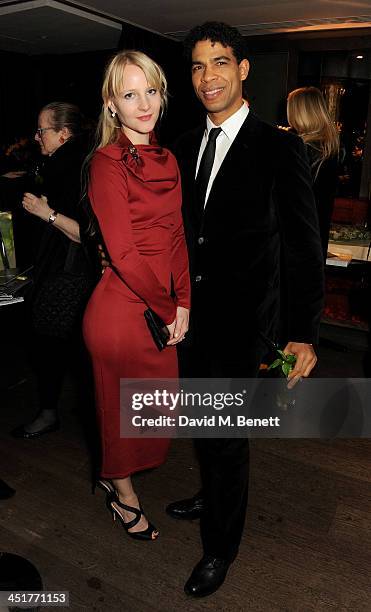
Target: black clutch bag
column 158, row 329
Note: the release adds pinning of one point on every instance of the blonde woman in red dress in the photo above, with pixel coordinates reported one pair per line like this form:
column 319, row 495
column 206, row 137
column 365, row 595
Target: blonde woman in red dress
column 135, row 194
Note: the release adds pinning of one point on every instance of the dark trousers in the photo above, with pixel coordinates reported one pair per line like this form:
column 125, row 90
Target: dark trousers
column 50, row 358
column 224, row 466
column 224, row 463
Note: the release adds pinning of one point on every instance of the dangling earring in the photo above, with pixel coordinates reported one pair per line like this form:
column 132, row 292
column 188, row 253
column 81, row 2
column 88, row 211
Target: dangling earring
column 113, row 114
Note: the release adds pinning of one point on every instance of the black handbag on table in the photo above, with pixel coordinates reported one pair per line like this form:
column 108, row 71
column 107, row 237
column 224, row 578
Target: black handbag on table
column 158, row 329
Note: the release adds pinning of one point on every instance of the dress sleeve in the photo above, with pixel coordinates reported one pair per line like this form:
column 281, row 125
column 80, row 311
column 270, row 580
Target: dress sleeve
column 109, row 199
column 180, row 264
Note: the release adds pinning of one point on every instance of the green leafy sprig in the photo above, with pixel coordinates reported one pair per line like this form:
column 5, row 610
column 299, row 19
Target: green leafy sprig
column 286, row 361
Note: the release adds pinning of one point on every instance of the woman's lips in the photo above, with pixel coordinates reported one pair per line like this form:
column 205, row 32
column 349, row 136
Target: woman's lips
column 145, row 117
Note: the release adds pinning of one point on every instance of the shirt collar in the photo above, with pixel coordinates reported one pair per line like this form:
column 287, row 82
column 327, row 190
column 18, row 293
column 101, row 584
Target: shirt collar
column 232, row 125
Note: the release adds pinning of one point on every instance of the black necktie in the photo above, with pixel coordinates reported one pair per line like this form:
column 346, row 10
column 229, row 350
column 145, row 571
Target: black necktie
column 206, row 164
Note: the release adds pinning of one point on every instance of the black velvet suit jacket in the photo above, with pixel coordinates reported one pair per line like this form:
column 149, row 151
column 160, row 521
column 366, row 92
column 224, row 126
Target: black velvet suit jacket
column 259, row 226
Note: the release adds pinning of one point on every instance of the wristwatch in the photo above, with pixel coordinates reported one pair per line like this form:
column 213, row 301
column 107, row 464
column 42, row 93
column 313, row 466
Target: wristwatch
column 52, row 217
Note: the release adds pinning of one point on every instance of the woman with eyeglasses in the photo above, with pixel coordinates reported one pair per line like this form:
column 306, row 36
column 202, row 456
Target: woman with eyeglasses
column 62, row 275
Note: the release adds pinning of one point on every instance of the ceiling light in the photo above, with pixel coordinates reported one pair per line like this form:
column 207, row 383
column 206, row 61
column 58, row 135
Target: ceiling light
column 359, row 56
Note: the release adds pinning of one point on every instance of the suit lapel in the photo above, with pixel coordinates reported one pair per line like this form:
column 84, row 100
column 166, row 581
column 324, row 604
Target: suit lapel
column 195, row 149
column 243, row 144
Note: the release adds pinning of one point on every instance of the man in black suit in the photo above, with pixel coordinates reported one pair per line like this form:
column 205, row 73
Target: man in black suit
column 249, row 213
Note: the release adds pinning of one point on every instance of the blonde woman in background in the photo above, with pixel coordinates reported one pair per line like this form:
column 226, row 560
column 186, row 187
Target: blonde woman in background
column 307, row 114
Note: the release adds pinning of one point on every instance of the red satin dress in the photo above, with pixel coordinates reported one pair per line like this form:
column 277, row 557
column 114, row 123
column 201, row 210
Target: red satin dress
column 135, row 193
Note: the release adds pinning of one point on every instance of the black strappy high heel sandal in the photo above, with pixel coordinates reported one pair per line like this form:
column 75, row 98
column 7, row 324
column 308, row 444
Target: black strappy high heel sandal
column 151, row 533
column 104, row 484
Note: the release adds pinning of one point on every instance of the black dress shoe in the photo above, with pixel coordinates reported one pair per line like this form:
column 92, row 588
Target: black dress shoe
column 21, row 432
column 5, row 490
column 188, row 509
column 208, row 575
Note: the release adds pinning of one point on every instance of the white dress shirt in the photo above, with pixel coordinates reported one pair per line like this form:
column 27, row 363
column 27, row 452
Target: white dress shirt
column 230, row 128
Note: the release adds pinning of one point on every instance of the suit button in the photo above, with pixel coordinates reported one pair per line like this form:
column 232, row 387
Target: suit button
column 198, row 278
column 201, row 240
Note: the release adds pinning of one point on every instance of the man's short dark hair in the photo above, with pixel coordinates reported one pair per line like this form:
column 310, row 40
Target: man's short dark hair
column 215, row 31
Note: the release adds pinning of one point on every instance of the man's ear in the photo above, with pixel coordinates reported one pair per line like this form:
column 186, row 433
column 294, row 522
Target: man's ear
column 244, row 67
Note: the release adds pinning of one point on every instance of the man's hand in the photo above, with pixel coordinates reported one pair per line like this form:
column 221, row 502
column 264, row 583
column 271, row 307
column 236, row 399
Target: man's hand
column 306, row 359
column 179, row 328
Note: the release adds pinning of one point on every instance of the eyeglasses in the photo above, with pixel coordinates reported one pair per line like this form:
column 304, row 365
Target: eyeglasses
column 40, row 131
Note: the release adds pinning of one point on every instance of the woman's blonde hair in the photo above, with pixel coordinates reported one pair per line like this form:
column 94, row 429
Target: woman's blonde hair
column 308, row 115
column 108, row 126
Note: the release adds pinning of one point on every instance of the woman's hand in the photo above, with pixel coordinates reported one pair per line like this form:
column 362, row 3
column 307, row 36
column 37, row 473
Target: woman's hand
column 40, row 208
column 179, row 327
column 36, row 206
column 14, row 174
